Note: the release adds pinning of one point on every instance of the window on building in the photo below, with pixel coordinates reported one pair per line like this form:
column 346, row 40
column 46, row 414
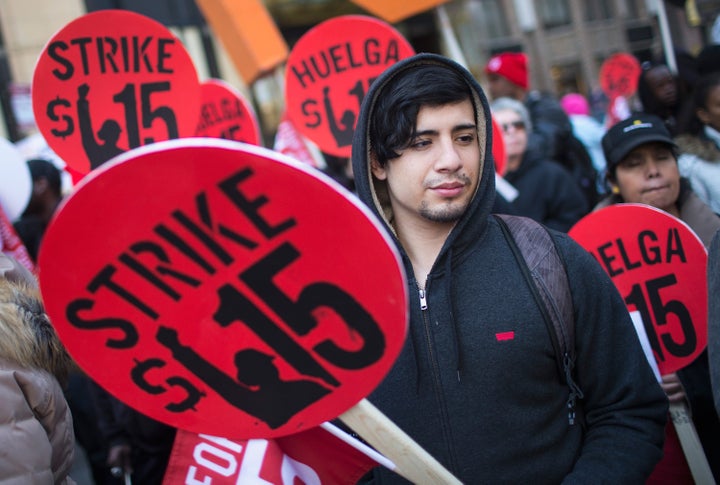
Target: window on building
column 567, row 78
column 554, row 13
column 490, row 17
column 177, row 13
column 633, row 9
column 598, row 10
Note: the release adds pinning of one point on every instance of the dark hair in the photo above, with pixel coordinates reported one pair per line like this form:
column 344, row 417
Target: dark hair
column 392, row 122
column 41, row 168
column 650, row 102
column 703, row 87
column 691, row 123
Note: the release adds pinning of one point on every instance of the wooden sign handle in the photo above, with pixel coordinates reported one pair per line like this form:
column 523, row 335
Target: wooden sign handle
column 692, row 448
column 411, row 460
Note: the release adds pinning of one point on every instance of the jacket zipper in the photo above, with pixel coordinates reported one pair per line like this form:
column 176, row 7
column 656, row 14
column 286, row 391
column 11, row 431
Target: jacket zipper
column 433, row 363
column 423, row 300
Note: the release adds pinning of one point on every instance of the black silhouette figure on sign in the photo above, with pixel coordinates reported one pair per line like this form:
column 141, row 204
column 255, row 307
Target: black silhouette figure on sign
column 343, row 136
column 258, row 390
column 109, row 133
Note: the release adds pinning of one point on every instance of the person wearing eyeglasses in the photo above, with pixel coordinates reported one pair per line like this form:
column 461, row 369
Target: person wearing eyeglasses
column 547, row 192
column 508, row 76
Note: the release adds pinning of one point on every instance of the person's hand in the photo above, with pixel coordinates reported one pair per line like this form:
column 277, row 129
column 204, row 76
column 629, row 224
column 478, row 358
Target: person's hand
column 119, row 460
column 673, row 388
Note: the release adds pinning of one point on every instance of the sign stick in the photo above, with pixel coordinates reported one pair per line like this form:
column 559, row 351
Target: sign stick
column 692, row 448
column 448, row 36
column 411, row 460
column 684, row 426
column 666, row 38
column 358, row 445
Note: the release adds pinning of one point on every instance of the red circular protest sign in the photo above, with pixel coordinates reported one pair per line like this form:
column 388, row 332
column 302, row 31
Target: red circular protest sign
column 619, row 75
column 659, row 266
column 329, row 71
column 228, row 290
column 110, row 81
column 498, row 148
column 225, row 113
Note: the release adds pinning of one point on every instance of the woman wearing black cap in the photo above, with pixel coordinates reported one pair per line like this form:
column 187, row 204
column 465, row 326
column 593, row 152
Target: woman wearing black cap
column 642, row 168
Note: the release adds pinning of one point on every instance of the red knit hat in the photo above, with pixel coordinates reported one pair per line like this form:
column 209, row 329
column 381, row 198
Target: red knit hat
column 510, row 65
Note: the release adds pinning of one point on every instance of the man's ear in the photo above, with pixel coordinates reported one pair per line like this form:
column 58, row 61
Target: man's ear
column 377, row 170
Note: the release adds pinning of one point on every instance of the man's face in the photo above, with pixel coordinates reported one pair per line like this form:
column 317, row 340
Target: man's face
column 500, row 87
column 435, row 177
column 649, row 175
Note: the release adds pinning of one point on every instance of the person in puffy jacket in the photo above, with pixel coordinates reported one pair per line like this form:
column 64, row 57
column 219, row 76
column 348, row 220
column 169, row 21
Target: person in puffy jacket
column 36, row 429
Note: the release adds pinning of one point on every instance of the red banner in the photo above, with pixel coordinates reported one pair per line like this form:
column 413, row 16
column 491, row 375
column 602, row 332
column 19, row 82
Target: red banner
column 312, row 457
column 11, row 244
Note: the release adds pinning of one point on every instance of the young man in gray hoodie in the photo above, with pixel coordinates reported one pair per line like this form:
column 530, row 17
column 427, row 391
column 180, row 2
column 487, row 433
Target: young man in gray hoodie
column 478, row 384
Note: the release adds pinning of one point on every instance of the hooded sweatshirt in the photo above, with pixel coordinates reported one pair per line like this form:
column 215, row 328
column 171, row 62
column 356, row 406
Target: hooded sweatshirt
column 477, row 383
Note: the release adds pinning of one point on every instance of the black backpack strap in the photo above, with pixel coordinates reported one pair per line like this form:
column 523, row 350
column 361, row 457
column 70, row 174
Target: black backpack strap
column 544, row 270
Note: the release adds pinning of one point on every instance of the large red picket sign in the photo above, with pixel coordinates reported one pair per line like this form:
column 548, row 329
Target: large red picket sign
column 110, row 81
column 225, row 113
column 223, row 288
column 659, row 266
column 329, row 71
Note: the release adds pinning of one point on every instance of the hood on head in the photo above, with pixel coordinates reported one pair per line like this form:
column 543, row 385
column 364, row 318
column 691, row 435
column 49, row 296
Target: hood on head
column 27, row 338
column 373, row 192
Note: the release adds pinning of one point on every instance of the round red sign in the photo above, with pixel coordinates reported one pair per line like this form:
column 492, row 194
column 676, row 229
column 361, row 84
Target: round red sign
column 225, row 113
column 330, row 69
column 619, row 75
column 110, row 81
column 658, row 265
column 228, row 290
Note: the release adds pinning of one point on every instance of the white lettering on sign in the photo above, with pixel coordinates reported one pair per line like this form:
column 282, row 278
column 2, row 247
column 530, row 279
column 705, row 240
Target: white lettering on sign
column 292, row 469
column 226, row 469
column 252, row 463
column 217, row 460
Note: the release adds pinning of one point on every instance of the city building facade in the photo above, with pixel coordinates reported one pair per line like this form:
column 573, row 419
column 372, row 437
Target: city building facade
column 566, row 40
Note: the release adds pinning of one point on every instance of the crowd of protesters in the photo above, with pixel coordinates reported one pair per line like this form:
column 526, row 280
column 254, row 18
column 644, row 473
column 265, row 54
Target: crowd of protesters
column 563, row 163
